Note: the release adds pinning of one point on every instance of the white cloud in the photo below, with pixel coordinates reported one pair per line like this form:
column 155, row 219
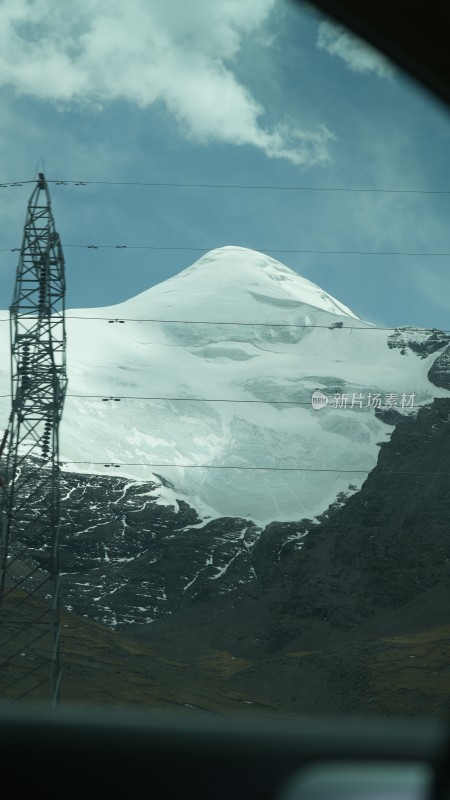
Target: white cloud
column 358, row 55
column 93, row 52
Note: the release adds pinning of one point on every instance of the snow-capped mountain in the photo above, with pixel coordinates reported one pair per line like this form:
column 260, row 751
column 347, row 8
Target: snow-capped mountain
column 265, row 358
column 216, row 368
column 201, row 358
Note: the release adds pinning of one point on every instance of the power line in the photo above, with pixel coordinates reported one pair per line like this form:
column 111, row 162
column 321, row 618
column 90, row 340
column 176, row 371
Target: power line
column 189, row 399
column 223, row 322
column 276, row 187
column 259, row 249
column 4, row 185
column 120, row 397
column 247, row 468
column 337, row 326
column 174, row 184
column 334, row 326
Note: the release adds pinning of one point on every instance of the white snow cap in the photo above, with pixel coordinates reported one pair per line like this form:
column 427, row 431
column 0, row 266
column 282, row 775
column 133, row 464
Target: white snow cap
column 256, row 283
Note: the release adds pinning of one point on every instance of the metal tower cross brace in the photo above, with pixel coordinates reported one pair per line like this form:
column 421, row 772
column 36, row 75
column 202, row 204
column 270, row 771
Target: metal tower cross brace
column 29, row 543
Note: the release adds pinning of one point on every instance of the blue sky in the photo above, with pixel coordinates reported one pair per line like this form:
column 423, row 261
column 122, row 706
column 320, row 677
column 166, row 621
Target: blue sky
column 258, row 92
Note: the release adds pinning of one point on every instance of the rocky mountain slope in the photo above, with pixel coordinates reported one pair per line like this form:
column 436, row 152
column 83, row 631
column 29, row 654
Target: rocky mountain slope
column 378, row 565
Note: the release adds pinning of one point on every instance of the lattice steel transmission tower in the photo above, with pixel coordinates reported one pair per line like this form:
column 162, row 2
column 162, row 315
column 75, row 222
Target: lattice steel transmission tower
column 30, row 506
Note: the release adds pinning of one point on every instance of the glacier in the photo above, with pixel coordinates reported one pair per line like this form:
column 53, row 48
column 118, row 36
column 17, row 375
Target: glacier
column 216, row 367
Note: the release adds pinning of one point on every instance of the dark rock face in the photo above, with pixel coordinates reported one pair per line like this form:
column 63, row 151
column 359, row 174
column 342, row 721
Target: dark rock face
column 422, row 343
column 390, row 541
column 386, row 546
column 439, row 372
column 391, row 416
column 140, row 560
column 125, row 558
